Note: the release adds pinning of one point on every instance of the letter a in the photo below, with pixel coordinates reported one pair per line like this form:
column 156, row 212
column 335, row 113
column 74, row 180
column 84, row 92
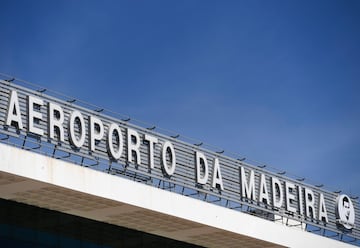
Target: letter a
column 13, row 113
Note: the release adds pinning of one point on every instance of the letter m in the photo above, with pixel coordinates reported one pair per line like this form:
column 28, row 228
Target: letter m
column 247, row 186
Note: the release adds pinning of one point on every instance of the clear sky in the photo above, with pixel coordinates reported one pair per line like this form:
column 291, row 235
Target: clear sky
column 275, row 81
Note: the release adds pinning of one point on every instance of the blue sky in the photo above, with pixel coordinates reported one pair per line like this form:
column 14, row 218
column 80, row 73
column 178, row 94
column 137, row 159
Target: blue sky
column 275, row 81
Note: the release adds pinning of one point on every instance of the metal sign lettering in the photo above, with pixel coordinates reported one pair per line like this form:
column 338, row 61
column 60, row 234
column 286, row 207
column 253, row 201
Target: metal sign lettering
column 88, row 133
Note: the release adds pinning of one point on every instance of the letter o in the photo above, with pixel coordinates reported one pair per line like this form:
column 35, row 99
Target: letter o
column 167, row 146
column 111, row 150
column 78, row 143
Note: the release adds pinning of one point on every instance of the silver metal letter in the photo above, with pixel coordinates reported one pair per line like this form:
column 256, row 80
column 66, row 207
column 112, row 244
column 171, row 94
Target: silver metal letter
column 77, row 116
column 263, row 192
column 322, row 209
column 33, row 115
column 276, row 191
column 309, row 203
column 247, row 189
column 201, row 163
column 14, row 107
column 216, row 175
column 289, row 195
column 95, row 135
column 301, row 205
column 133, row 146
column 55, row 120
column 168, row 147
column 113, row 128
column 152, row 141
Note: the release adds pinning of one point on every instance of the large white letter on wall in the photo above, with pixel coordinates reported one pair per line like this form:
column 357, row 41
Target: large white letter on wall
column 14, row 113
column 168, row 148
column 216, row 175
column 133, row 146
column 201, row 164
column 152, row 141
column 76, row 117
column 96, row 131
column 114, row 130
column 247, row 188
column 34, row 116
column 55, row 119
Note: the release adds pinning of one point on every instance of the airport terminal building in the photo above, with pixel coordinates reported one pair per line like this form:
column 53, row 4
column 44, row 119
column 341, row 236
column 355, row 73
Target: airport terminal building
column 74, row 175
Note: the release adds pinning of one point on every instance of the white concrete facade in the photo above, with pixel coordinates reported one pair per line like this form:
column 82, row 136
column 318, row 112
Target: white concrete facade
column 196, row 217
